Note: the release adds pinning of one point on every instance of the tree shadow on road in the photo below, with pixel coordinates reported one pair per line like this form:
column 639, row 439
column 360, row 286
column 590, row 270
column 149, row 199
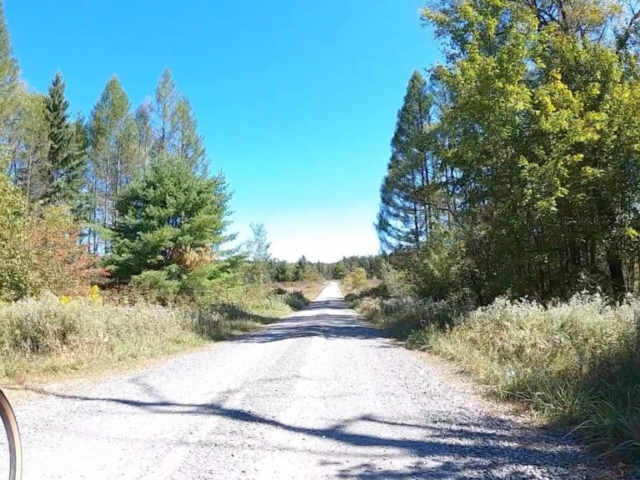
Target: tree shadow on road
column 491, row 447
column 324, row 325
column 329, row 319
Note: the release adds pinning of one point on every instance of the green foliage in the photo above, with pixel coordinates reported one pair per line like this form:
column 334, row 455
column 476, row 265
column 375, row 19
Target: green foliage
column 66, row 161
column 170, row 225
column 356, row 279
column 513, row 165
column 339, row 270
column 14, row 258
column 257, row 251
column 305, row 271
column 9, row 84
column 283, row 272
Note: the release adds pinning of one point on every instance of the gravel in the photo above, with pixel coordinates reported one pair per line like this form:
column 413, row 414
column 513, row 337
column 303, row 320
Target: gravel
column 319, row 395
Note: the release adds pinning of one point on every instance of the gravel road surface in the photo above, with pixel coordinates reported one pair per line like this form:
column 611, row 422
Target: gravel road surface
column 319, row 395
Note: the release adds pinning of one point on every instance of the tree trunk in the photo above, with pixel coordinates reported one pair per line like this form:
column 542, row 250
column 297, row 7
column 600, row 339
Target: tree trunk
column 618, row 288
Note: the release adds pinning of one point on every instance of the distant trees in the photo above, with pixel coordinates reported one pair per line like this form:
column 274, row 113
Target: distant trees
column 339, row 270
column 257, row 253
column 283, row 272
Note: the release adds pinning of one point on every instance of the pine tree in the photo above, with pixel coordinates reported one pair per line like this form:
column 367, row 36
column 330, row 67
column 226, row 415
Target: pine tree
column 304, row 270
column 339, row 270
column 405, row 212
column 146, row 138
column 177, row 128
column 82, row 207
column 169, row 221
column 283, row 272
column 66, row 161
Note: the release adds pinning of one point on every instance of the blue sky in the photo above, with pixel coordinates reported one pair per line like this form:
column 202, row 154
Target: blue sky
column 297, row 100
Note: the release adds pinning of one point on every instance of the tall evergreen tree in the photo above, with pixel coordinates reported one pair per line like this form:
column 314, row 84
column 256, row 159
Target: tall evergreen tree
column 169, row 220
column 66, row 162
column 405, row 212
column 176, row 127
column 146, row 137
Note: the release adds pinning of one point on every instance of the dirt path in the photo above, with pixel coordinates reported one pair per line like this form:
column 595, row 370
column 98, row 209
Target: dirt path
column 320, row 395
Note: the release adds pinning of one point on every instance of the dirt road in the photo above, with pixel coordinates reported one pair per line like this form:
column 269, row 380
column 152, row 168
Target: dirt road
column 320, row 395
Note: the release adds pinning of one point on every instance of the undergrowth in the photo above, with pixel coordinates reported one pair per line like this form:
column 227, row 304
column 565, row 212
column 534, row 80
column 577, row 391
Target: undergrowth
column 576, row 364
column 54, row 336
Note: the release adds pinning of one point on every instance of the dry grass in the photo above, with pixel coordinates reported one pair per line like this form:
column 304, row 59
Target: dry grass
column 576, row 364
column 309, row 290
column 51, row 337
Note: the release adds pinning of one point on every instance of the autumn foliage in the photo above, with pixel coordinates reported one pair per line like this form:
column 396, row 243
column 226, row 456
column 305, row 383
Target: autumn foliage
column 59, row 262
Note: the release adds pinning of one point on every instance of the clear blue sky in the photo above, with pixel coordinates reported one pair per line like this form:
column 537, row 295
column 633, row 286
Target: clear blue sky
column 296, row 99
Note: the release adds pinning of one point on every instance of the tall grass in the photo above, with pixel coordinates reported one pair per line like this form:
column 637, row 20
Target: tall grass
column 577, row 363
column 54, row 335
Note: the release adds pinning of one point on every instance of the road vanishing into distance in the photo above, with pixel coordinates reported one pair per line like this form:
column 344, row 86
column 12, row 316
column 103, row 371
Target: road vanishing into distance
column 318, row 395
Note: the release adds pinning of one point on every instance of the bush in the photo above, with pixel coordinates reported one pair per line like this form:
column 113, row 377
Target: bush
column 396, row 283
column 406, row 316
column 576, row 363
column 58, row 262
column 54, row 334
column 156, row 287
column 14, row 259
column 50, row 334
column 357, row 279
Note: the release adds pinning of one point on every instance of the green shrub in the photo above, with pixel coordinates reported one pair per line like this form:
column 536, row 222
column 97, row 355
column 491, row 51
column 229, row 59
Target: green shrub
column 14, row 257
column 156, row 286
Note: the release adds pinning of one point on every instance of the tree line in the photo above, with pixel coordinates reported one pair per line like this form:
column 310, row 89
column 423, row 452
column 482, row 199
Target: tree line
column 124, row 190
column 515, row 163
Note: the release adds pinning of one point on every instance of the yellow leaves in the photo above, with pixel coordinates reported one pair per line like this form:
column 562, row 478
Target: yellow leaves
column 94, row 295
column 555, row 76
column 632, row 233
column 65, row 300
column 590, row 173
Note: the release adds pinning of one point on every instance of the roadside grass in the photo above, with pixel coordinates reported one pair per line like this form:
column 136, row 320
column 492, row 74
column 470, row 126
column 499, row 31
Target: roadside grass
column 52, row 337
column 305, row 292
column 576, row 365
